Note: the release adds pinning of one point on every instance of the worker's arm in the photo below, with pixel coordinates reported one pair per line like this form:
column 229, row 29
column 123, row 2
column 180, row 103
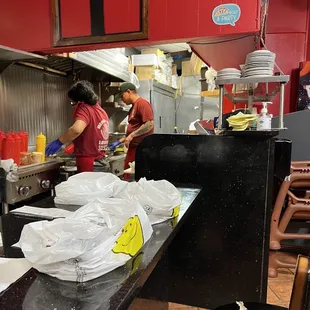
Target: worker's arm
column 143, row 129
column 73, row 132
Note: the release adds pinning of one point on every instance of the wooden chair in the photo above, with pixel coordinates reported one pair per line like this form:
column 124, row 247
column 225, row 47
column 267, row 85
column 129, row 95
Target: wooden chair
column 300, row 299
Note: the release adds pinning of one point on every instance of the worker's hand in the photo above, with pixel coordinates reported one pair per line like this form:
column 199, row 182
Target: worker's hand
column 128, row 140
column 114, row 145
column 53, row 147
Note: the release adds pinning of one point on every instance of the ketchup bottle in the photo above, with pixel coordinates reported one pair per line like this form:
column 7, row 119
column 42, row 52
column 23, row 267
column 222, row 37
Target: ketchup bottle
column 69, row 149
column 18, row 141
column 2, row 136
column 24, row 141
column 8, row 147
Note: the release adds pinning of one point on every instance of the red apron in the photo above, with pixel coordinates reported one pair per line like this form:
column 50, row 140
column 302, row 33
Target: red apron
column 130, row 157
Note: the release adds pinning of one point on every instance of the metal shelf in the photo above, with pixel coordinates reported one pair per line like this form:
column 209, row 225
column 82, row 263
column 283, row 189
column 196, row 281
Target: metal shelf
column 110, row 110
column 254, row 80
column 249, row 95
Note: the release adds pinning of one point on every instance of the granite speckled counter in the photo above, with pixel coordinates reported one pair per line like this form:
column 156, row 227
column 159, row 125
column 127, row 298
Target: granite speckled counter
column 115, row 290
column 218, row 251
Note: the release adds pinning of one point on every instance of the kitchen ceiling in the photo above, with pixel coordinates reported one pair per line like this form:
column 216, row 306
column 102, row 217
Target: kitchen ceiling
column 169, row 48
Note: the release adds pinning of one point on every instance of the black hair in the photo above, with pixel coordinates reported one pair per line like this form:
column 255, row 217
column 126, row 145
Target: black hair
column 83, row 91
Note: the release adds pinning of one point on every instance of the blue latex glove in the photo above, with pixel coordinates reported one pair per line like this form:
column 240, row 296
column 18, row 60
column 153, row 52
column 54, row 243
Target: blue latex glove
column 114, row 145
column 53, row 147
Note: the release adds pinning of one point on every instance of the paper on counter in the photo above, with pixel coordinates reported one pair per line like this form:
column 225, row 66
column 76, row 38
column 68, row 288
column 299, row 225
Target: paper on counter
column 49, row 213
column 241, row 305
column 11, row 269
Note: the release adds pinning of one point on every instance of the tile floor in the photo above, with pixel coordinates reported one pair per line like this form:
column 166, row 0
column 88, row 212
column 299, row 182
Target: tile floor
column 279, row 289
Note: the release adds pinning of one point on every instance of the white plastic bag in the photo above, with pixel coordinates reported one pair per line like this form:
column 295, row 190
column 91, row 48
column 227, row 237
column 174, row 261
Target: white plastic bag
column 160, row 199
column 83, row 188
column 93, row 241
column 11, row 169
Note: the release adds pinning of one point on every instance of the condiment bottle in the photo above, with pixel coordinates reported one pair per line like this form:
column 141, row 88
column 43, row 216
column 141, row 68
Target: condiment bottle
column 41, row 145
column 17, row 149
column 24, row 142
column 26, row 136
column 69, row 149
column 2, row 136
column 8, row 147
column 264, row 119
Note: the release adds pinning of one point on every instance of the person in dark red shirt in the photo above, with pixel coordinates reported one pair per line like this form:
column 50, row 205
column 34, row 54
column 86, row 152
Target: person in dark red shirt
column 90, row 131
column 140, row 121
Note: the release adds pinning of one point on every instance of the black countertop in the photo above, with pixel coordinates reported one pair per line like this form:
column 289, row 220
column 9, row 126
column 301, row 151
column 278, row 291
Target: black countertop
column 115, row 290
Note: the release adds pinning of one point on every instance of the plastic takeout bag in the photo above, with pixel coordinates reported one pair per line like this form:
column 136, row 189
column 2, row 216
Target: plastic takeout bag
column 83, row 188
column 161, row 200
column 93, row 241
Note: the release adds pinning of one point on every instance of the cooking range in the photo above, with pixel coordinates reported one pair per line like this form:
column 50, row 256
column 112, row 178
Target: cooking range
column 32, row 180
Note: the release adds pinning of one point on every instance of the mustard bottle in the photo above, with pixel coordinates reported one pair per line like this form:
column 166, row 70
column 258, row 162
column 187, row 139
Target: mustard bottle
column 41, row 145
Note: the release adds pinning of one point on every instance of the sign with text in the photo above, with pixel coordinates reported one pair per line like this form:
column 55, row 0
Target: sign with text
column 226, row 14
column 99, row 21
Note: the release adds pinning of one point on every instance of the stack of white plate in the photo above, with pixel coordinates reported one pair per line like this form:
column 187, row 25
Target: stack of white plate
column 259, row 64
column 228, row 73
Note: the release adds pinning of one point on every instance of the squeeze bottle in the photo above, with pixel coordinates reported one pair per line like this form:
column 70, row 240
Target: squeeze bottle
column 8, row 147
column 41, row 145
column 264, row 119
column 17, row 149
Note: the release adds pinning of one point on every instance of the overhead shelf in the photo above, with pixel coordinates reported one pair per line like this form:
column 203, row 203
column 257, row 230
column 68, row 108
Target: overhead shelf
column 112, row 110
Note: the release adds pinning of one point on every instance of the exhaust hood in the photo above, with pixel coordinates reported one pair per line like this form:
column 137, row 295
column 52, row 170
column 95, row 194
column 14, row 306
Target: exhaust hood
column 106, row 65
column 110, row 61
column 9, row 55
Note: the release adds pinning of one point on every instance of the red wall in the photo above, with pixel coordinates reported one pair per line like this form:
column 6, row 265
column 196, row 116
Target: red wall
column 287, row 35
column 27, row 24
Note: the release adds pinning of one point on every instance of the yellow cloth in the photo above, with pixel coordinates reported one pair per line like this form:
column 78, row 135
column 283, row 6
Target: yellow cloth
column 241, row 121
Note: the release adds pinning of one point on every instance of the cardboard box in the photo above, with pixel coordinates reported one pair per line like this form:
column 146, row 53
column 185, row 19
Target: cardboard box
column 155, row 51
column 196, row 64
column 174, row 69
column 144, row 60
column 186, row 68
column 146, row 72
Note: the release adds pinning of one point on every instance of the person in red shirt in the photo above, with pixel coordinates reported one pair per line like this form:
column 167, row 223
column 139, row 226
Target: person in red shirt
column 140, row 121
column 90, row 131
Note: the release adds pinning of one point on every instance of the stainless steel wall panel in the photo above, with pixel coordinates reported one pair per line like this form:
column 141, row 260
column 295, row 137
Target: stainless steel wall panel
column 22, row 101
column 58, row 109
column 34, row 101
